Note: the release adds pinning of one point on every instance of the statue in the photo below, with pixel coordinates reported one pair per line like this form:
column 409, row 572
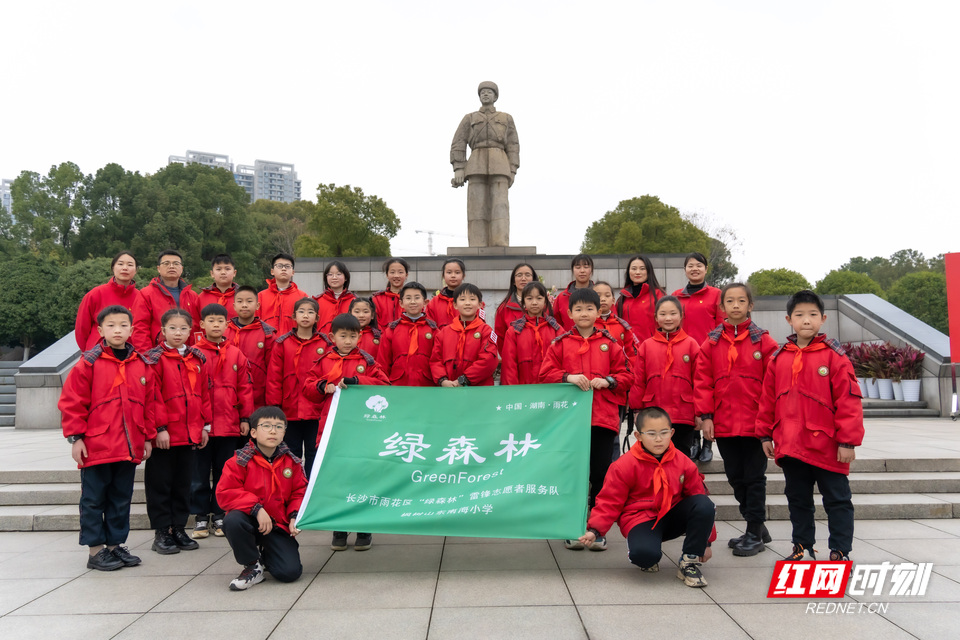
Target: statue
column 493, row 163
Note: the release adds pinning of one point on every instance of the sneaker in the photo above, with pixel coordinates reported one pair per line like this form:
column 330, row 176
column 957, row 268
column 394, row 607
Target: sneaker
column 123, row 554
column 182, row 540
column 104, row 560
column 839, row 556
column 217, row 527
column 200, row 530
column 573, row 545
column 252, row 574
column 706, row 452
column 339, row 542
column 800, row 552
column 655, row 568
column 600, row 544
column 363, row 542
column 164, row 544
column 689, row 571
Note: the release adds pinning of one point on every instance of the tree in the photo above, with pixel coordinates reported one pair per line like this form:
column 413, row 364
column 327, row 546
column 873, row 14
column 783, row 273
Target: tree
column 347, row 223
column 776, row 282
column 723, row 242
column 839, row 281
column 647, row 225
column 72, row 284
column 48, row 209
column 280, row 224
column 886, row 271
column 924, row 296
column 27, row 300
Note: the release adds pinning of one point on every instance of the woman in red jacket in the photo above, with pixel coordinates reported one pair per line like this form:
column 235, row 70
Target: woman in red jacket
column 120, row 290
column 639, row 297
column 387, row 301
column 336, row 298
column 511, row 308
column 526, row 340
column 581, row 266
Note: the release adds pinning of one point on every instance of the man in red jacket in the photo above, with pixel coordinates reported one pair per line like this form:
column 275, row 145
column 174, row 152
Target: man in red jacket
column 166, row 291
column 108, row 415
column 656, row 493
column 253, row 337
column 223, row 271
column 261, row 489
column 281, row 294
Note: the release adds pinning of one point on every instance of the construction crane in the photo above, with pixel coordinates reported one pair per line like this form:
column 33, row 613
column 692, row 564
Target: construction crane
column 430, row 235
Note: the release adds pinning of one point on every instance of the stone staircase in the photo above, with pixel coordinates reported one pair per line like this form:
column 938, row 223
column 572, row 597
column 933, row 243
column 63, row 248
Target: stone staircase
column 897, row 409
column 8, row 392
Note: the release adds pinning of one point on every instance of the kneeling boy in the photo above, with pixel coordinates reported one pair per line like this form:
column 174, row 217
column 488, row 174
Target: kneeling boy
column 656, row 493
column 261, row 489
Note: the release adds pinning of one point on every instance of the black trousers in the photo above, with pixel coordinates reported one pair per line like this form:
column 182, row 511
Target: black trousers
column 692, row 517
column 167, row 474
column 278, row 550
column 210, row 460
column 603, row 449
column 834, row 488
column 746, row 467
column 105, row 494
column 301, row 437
column 684, row 435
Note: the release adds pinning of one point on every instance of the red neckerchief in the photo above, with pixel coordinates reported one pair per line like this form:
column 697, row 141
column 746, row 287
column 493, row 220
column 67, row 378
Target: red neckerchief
column 238, row 328
column 336, row 373
column 742, row 331
column 274, row 480
column 202, row 342
column 537, row 324
column 586, row 341
column 223, row 294
column 187, row 359
column 414, row 336
column 277, row 299
column 457, row 325
column 121, row 375
column 303, row 343
column 798, row 351
column 675, row 337
column 661, row 483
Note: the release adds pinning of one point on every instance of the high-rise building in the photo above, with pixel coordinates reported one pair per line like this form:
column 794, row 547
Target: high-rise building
column 215, row 160
column 6, row 197
column 264, row 180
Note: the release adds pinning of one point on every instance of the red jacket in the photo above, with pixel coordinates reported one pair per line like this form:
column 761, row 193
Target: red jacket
column 152, row 302
column 290, row 362
column 469, row 351
column 249, row 480
column 524, row 344
column 701, row 311
column 255, row 341
column 629, row 496
column 402, row 367
column 602, row 357
column 276, row 307
column 387, row 305
column 440, row 308
column 331, row 369
column 639, row 312
column 231, row 387
column 111, row 404
column 665, row 375
column 213, row 295
column 809, row 413
column 182, row 388
column 507, row 313
column 332, row 306
column 561, row 306
column 622, row 333
column 96, row 300
column 727, row 384
column 370, row 339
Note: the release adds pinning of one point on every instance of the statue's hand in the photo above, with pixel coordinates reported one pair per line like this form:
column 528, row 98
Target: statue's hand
column 458, row 178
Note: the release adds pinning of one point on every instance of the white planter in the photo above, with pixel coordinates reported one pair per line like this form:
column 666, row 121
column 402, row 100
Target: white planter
column 897, row 391
column 873, row 392
column 886, row 388
column 863, row 387
column 911, row 390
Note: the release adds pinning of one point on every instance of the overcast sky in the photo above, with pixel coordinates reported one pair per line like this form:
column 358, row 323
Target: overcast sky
column 817, row 130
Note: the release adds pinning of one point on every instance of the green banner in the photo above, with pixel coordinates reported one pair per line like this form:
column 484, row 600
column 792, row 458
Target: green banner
column 503, row 462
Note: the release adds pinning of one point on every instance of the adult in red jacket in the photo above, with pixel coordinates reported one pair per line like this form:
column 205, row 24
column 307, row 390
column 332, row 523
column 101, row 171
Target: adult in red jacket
column 701, row 302
column 581, row 266
column 464, row 354
column 511, row 307
column 337, row 296
column 387, row 301
column 281, row 294
column 255, row 341
column 166, row 291
column 525, row 343
column 120, row 290
column 638, row 297
column 334, row 368
column 405, row 350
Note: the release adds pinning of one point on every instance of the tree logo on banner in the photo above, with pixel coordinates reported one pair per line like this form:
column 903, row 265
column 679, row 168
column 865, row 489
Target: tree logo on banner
column 377, row 403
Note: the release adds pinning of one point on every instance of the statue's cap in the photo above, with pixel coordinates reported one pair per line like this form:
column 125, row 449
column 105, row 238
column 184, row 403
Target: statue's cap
column 486, row 84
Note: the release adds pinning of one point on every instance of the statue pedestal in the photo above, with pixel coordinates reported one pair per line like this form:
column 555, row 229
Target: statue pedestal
column 458, row 252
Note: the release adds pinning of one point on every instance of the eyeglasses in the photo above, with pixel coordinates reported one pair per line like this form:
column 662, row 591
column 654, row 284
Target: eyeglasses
column 272, row 428
column 171, row 264
column 656, row 435
column 283, row 267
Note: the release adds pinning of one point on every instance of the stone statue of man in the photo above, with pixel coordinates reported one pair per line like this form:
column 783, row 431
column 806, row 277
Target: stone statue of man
column 494, row 159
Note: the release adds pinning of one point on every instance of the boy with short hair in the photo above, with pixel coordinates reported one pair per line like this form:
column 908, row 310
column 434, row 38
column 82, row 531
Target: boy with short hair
column 166, row 291
column 253, row 337
column 407, row 343
column 591, row 358
column 281, row 294
column 107, row 411
column 810, row 420
column 223, row 271
column 261, row 490
column 465, row 351
column 230, row 403
column 656, row 493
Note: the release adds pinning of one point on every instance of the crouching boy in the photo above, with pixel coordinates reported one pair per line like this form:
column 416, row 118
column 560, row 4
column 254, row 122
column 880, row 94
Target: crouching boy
column 261, row 489
column 656, row 493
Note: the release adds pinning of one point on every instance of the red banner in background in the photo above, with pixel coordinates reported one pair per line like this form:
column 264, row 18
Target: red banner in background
column 952, row 261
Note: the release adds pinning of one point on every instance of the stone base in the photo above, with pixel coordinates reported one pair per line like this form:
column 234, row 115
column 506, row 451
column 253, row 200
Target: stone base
column 491, row 251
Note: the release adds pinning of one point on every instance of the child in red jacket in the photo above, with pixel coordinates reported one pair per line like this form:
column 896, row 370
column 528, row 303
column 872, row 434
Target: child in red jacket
column 166, row 291
column 511, row 308
column 277, row 300
column 407, row 342
column 441, row 309
column 664, row 376
column 727, row 385
column 224, row 289
column 526, row 340
column 371, row 337
column 183, row 391
column 386, row 302
column 336, row 298
column 655, row 494
column 107, row 411
column 616, row 326
column 581, row 266
column 465, row 351
column 294, row 354
column 120, row 290
column 810, row 420
column 262, row 488
column 254, row 337
column 230, row 404
column 638, row 297
column 591, row 358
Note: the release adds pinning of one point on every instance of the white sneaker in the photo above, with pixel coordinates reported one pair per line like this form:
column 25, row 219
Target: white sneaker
column 251, row 575
column 573, row 545
column 600, row 544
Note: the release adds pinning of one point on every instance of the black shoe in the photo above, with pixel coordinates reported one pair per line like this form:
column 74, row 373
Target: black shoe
column 695, row 450
column 339, row 542
column 182, row 540
column 764, row 535
column 123, row 554
column 164, row 544
column 104, row 561
column 706, row 452
column 750, row 545
column 363, row 542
